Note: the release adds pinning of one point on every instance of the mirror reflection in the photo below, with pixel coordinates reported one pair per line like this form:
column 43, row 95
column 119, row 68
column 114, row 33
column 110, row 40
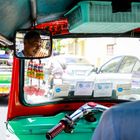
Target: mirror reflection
column 32, row 44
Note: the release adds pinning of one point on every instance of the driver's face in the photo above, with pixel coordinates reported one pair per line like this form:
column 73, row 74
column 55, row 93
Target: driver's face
column 32, row 47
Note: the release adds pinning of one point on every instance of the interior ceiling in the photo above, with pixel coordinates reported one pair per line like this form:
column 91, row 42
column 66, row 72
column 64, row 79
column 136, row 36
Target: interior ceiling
column 15, row 14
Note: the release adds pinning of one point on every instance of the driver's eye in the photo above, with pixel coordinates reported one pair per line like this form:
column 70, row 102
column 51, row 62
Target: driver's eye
column 37, row 44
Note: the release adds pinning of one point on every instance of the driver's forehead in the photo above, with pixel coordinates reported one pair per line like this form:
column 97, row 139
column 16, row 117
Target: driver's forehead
column 34, row 40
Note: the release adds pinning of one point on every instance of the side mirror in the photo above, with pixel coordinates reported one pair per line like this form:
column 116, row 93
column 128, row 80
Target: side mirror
column 33, row 43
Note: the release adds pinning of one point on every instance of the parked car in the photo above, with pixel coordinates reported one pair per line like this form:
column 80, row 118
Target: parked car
column 120, row 71
column 75, row 68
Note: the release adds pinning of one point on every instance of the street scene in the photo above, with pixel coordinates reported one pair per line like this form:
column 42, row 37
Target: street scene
column 3, row 116
column 69, row 69
column 4, row 133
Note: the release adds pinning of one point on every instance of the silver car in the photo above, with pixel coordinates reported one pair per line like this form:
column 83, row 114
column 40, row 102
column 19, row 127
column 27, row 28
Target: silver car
column 122, row 73
column 76, row 68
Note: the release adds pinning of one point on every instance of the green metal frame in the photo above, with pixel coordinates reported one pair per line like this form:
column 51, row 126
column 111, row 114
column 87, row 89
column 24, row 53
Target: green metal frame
column 36, row 127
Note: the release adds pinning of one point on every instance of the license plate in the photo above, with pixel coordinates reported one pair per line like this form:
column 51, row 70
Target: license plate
column 80, row 72
column 57, row 81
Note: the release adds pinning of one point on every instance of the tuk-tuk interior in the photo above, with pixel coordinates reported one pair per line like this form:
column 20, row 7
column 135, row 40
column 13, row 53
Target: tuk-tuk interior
column 33, row 109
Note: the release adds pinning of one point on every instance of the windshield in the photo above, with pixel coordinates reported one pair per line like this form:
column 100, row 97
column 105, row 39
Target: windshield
column 85, row 68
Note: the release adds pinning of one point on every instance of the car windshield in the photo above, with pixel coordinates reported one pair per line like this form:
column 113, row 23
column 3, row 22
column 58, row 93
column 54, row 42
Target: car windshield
column 74, row 72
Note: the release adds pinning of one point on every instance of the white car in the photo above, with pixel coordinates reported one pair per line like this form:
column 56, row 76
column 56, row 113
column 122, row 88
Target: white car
column 75, row 68
column 123, row 72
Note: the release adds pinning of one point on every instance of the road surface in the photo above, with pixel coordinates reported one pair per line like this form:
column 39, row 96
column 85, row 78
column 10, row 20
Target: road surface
column 4, row 134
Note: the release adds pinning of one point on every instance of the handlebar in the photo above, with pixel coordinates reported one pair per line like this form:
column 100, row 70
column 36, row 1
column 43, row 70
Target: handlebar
column 55, row 130
column 68, row 122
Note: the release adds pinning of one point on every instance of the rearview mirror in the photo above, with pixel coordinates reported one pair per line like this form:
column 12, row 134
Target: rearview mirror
column 33, row 43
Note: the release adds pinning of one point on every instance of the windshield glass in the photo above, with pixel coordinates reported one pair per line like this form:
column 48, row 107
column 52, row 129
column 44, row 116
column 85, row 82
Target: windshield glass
column 85, row 68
